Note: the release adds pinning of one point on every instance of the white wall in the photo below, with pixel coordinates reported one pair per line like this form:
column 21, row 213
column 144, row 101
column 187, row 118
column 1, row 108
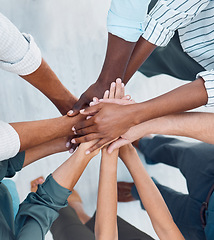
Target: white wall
column 72, row 36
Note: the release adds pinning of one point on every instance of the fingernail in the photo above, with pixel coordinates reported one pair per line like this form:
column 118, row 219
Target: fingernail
column 100, row 100
column 82, row 110
column 67, row 144
column 118, row 80
column 71, row 150
column 113, row 84
column 87, row 152
column 73, row 141
column 70, row 112
column 123, row 85
column 73, row 128
column 94, row 99
column 128, row 97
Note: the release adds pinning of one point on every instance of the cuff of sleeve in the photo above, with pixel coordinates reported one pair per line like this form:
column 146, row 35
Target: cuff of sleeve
column 58, row 193
column 9, row 141
column 208, row 77
column 126, row 29
column 29, row 63
column 155, row 33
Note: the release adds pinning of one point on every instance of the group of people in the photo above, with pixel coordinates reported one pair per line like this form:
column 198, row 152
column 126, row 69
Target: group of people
column 174, row 37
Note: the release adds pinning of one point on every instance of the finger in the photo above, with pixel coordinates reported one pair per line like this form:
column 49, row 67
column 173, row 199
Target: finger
column 86, row 138
column 117, row 144
column 127, row 97
column 95, row 99
column 86, row 130
column 72, row 113
column 91, row 110
column 123, row 90
column 118, row 92
column 106, row 94
column 97, row 145
column 83, row 124
column 116, row 101
column 81, row 103
column 112, row 90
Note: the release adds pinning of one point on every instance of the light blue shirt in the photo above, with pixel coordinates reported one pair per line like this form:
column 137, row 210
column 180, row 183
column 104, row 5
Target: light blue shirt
column 126, row 18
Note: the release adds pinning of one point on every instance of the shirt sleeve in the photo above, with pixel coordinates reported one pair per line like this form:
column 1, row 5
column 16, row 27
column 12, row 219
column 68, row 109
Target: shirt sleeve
column 9, row 141
column 39, row 210
column 126, row 18
column 18, row 52
column 169, row 15
column 208, row 77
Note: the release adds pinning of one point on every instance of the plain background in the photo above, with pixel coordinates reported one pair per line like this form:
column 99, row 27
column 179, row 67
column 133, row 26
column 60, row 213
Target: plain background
column 72, row 36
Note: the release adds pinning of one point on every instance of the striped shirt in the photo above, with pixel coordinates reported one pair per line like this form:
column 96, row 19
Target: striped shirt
column 194, row 20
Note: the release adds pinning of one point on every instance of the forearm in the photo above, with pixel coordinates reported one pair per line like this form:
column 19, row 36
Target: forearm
column 117, row 57
column 48, row 83
column 70, row 171
column 44, row 150
column 141, row 52
column 196, row 125
column 150, row 196
column 37, row 132
column 106, row 216
column 186, row 97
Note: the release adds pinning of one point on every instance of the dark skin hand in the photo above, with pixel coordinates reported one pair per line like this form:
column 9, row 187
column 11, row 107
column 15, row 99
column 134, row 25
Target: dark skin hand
column 117, row 57
column 112, row 120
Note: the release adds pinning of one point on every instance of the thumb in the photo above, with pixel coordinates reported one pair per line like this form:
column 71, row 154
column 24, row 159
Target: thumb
column 117, row 144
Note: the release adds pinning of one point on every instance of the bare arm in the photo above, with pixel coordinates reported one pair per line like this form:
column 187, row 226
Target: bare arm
column 106, row 216
column 117, row 56
column 70, row 171
column 113, row 120
column 48, row 83
column 45, row 149
column 151, row 198
column 37, row 132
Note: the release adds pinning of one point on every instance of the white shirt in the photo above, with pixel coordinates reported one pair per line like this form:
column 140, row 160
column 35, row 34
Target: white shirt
column 18, row 54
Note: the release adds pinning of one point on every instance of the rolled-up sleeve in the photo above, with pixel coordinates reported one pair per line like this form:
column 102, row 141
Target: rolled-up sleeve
column 208, row 77
column 169, row 15
column 9, row 141
column 18, row 52
column 126, row 18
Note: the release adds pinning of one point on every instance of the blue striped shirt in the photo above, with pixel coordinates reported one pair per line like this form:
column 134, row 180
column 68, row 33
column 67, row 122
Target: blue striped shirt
column 194, row 20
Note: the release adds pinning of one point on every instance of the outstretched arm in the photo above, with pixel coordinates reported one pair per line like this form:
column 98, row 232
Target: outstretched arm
column 45, row 80
column 113, row 120
column 37, row 132
column 21, row 55
column 151, row 198
column 39, row 210
column 106, row 216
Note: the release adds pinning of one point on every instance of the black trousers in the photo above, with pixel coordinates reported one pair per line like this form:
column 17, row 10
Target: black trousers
column 68, row 227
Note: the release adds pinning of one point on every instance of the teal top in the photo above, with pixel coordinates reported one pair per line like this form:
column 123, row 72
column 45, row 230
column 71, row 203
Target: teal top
column 36, row 213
